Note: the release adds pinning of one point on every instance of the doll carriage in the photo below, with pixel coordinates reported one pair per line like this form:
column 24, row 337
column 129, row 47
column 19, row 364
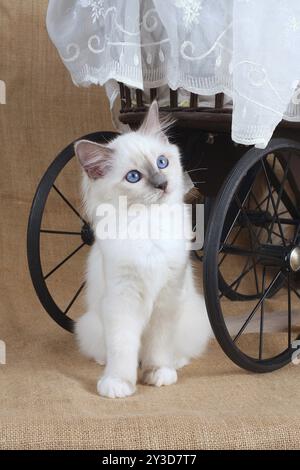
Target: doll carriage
column 251, row 197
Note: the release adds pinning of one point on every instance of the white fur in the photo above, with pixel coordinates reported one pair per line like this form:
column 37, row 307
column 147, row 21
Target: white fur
column 142, row 303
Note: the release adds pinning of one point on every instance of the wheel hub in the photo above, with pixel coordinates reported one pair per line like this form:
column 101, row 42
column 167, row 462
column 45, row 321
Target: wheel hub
column 294, row 259
column 87, row 234
column 282, row 256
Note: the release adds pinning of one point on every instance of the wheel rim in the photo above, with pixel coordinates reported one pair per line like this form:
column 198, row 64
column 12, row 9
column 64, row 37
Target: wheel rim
column 36, row 230
column 269, row 247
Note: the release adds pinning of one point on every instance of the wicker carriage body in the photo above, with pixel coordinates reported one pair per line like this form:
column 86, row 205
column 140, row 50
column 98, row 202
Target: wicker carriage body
column 195, row 115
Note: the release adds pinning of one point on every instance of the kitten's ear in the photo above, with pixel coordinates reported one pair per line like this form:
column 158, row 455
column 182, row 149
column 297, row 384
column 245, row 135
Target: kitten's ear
column 152, row 125
column 95, row 159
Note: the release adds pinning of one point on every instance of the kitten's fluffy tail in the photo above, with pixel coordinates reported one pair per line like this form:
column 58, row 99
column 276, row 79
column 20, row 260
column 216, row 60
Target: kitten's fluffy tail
column 90, row 337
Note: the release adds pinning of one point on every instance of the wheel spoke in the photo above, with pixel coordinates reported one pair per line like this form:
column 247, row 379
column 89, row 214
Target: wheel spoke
column 59, row 232
column 74, row 298
column 294, row 290
column 269, row 199
column 289, row 309
column 256, row 307
column 234, row 239
column 253, row 258
column 242, row 275
column 259, row 204
column 64, row 261
column 286, row 200
column 297, row 231
column 289, row 221
column 262, row 314
column 239, row 211
column 279, row 196
column 283, row 212
column 251, row 232
column 238, row 280
column 235, row 285
column 250, row 228
column 275, row 215
column 255, row 275
column 278, row 235
column 238, row 250
column 68, row 203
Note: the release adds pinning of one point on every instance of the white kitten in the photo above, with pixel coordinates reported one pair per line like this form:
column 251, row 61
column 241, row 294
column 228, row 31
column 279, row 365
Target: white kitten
column 142, row 303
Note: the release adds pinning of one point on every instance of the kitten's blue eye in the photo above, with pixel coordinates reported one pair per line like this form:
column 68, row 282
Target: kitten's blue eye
column 162, row 162
column 133, row 176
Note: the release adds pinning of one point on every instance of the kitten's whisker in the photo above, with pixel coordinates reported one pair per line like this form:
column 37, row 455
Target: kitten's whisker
column 198, row 182
column 196, row 169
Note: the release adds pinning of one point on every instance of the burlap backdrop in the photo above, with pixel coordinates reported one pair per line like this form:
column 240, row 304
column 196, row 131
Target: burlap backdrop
column 47, row 390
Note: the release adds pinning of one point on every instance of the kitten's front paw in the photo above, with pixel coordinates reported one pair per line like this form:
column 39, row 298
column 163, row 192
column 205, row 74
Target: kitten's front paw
column 113, row 387
column 159, row 377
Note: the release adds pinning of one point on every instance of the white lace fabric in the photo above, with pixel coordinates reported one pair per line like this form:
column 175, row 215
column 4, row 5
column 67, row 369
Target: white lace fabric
column 247, row 49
